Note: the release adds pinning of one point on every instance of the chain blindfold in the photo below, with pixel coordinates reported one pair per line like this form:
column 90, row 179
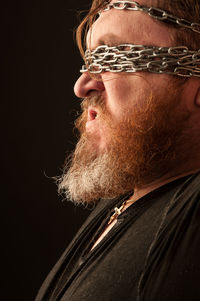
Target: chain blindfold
column 178, row 61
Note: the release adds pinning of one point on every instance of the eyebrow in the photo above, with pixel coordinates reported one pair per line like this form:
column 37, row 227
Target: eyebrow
column 109, row 39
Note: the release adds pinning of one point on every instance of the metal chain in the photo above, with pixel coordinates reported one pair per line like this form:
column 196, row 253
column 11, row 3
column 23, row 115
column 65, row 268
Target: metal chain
column 153, row 12
column 133, row 58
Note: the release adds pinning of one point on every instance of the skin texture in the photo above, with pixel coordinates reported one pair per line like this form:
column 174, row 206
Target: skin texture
column 121, row 92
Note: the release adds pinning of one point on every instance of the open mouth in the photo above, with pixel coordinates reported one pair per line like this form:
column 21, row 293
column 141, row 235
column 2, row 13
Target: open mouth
column 92, row 114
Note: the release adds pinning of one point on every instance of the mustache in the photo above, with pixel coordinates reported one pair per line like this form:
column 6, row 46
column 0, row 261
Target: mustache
column 93, row 101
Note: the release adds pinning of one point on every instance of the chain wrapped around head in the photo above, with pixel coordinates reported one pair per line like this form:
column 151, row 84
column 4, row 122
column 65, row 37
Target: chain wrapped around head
column 178, row 60
column 153, row 12
column 133, row 58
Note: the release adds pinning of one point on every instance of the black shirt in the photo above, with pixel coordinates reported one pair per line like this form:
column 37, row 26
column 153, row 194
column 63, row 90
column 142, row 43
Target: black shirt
column 152, row 252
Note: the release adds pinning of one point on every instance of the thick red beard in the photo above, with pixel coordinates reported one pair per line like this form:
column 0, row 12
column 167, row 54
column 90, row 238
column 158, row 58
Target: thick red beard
column 142, row 148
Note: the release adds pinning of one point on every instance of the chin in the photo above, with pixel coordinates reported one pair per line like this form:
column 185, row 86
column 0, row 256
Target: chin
column 97, row 142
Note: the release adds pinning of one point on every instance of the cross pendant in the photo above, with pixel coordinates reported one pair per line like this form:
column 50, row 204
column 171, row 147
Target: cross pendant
column 117, row 212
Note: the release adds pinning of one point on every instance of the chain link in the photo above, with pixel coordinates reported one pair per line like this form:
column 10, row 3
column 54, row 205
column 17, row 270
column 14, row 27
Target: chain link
column 133, row 58
column 153, row 12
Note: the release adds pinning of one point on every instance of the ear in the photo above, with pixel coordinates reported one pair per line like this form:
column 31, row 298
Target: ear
column 191, row 94
column 197, row 98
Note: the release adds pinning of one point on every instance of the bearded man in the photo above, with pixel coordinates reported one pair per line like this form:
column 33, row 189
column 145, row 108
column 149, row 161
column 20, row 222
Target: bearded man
column 137, row 161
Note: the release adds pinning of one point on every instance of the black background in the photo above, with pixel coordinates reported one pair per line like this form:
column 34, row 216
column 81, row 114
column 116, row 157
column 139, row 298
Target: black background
column 41, row 65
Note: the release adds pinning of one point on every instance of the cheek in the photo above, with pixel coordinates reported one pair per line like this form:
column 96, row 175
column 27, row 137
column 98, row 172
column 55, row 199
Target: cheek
column 124, row 92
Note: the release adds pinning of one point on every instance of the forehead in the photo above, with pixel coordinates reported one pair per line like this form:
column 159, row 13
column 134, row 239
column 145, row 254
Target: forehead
column 122, row 26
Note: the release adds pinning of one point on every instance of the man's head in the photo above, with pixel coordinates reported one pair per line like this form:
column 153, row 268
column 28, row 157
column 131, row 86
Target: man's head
column 183, row 9
column 135, row 127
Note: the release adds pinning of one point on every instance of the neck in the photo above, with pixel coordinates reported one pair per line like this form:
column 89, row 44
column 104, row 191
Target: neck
column 142, row 191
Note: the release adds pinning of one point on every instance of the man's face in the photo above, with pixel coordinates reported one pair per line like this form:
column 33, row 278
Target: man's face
column 122, row 92
column 129, row 125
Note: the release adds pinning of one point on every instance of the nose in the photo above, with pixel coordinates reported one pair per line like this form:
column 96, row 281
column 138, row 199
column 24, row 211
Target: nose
column 86, row 84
